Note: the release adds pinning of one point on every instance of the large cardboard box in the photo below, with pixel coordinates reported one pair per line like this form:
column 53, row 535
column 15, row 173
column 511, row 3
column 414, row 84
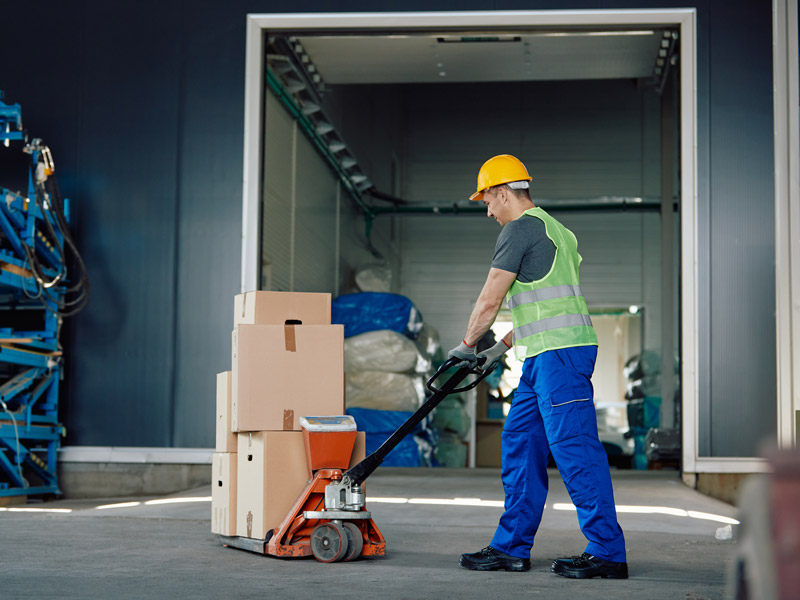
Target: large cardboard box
column 272, row 473
column 223, row 493
column 226, row 439
column 284, row 372
column 278, row 308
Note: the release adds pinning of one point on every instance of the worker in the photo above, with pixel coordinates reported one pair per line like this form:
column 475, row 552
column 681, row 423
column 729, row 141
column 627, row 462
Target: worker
column 535, row 266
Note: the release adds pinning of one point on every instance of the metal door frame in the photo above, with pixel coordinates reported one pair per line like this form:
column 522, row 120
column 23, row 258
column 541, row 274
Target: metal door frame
column 684, row 19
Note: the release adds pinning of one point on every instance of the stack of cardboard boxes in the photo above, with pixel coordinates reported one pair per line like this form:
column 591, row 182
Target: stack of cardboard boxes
column 288, row 362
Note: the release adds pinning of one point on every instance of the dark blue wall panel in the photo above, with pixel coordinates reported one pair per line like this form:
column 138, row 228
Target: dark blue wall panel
column 741, row 233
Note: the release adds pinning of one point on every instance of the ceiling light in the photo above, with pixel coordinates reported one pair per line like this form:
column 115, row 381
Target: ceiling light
column 469, row 39
column 588, row 33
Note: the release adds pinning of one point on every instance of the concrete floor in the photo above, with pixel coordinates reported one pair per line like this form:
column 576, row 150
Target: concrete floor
column 166, row 550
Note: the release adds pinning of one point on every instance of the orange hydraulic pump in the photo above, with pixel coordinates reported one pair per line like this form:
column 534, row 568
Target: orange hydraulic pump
column 329, row 520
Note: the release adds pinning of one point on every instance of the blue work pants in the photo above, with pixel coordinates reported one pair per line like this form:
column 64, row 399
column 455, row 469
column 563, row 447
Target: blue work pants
column 553, row 411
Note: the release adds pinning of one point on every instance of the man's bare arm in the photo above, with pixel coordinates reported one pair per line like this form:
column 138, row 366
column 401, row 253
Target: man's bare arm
column 489, row 302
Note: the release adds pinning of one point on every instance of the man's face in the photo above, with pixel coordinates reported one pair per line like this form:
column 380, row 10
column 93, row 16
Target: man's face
column 496, row 205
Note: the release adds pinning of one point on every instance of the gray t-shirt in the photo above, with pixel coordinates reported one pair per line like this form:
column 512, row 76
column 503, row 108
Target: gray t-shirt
column 524, row 248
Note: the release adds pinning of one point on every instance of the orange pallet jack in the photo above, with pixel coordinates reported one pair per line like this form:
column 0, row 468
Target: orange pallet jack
column 329, row 520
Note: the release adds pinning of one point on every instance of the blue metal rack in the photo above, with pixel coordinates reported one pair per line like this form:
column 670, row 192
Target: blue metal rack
column 33, row 301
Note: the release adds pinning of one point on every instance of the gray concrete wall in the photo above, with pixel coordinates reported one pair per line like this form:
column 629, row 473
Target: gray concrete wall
column 112, row 480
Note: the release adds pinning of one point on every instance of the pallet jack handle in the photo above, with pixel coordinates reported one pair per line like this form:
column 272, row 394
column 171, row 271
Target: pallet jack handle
column 357, row 474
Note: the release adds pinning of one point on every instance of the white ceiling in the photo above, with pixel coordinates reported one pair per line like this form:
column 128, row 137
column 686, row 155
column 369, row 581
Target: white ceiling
column 487, row 56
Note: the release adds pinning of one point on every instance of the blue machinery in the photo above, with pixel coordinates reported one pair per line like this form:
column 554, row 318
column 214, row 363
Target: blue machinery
column 35, row 295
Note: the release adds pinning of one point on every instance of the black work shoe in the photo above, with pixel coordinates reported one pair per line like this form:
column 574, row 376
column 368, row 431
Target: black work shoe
column 490, row 559
column 587, row 566
column 558, row 563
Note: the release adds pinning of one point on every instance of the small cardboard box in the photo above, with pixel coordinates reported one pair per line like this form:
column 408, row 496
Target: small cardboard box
column 278, row 308
column 283, row 372
column 226, row 439
column 223, row 493
column 272, row 474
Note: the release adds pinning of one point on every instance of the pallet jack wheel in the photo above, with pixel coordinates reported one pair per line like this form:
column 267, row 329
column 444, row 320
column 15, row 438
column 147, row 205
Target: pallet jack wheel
column 329, row 542
column 355, row 541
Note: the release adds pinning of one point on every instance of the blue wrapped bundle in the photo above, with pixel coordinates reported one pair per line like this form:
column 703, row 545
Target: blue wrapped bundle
column 378, row 425
column 405, row 454
column 373, row 311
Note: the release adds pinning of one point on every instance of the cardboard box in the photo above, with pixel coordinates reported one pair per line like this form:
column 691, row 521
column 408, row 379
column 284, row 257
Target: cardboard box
column 272, row 474
column 226, row 439
column 284, row 372
column 488, row 436
column 278, row 308
column 223, row 493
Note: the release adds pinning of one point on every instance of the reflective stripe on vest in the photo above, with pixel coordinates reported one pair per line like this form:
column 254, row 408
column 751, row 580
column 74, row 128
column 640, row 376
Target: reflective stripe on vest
column 551, row 293
column 552, row 323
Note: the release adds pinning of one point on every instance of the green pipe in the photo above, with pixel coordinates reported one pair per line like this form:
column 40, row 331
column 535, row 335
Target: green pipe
column 550, row 207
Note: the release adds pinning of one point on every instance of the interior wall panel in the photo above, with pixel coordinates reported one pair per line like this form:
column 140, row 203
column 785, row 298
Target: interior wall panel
column 578, row 139
column 315, row 222
column 372, row 120
column 276, row 226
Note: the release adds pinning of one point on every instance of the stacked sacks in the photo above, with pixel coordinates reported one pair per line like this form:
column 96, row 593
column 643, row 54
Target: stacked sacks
column 385, row 371
column 452, row 421
column 452, row 424
column 373, row 311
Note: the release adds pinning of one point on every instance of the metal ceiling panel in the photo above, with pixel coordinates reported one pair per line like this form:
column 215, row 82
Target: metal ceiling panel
column 438, row 58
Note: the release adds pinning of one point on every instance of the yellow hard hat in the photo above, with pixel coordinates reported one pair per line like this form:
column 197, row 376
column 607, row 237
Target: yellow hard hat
column 498, row 170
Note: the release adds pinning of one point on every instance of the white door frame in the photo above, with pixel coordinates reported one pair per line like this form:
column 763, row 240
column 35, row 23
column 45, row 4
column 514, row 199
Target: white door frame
column 787, row 216
column 684, row 19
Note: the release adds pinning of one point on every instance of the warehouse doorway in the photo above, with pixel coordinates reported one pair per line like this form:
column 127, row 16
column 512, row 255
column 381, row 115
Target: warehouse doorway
column 315, row 37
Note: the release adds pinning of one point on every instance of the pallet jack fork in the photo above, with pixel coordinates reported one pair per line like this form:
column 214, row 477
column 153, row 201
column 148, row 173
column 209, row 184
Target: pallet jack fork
column 329, row 520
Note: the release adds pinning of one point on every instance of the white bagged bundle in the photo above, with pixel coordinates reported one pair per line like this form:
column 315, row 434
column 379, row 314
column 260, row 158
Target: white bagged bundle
column 384, row 391
column 428, row 340
column 382, row 350
column 374, row 278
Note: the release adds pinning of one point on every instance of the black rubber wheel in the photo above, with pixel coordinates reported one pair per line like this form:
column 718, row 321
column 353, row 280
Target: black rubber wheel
column 329, row 542
column 355, row 541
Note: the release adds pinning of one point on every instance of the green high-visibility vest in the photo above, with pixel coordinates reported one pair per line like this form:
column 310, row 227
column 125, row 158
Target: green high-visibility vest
column 551, row 313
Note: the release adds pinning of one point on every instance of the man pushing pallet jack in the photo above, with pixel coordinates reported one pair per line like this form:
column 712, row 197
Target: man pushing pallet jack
column 536, row 267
